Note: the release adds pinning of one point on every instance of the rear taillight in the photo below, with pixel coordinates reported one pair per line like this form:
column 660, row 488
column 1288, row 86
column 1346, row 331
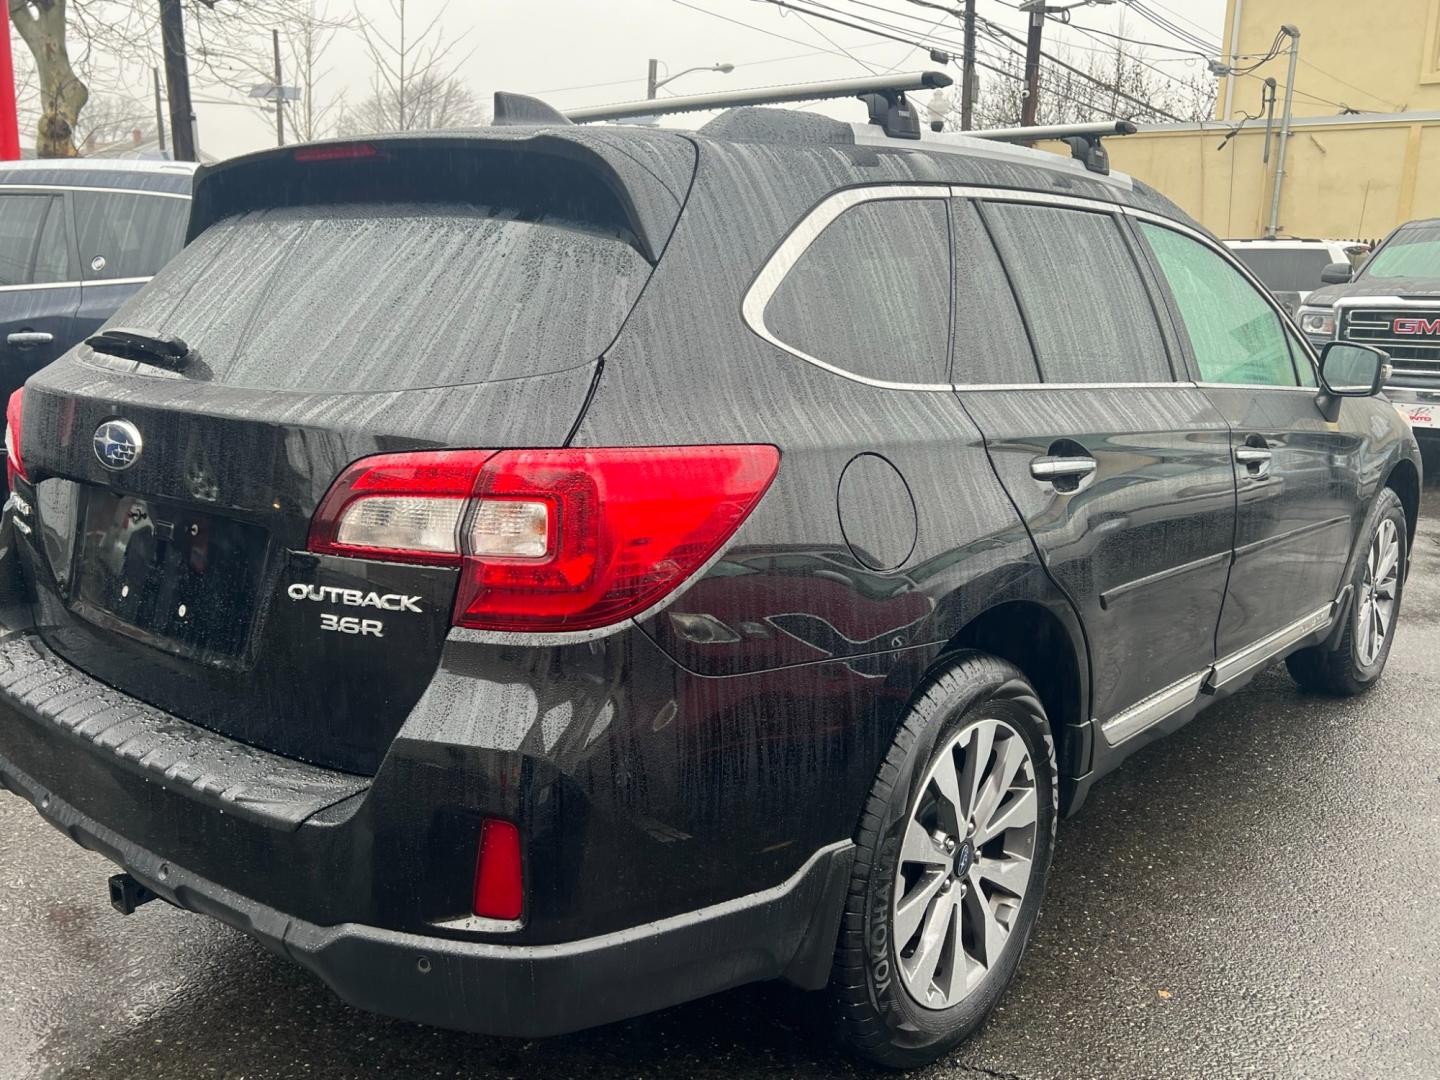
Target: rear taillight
column 547, row 539
column 334, row 152
column 499, row 876
column 14, row 466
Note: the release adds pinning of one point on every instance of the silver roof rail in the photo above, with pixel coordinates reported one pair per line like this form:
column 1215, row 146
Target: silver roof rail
column 883, row 94
column 1084, row 139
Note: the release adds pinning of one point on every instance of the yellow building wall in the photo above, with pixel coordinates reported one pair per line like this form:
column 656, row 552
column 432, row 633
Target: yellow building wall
column 1381, row 56
column 1346, row 179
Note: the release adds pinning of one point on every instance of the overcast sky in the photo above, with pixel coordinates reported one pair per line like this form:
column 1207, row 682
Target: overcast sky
column 561, row 49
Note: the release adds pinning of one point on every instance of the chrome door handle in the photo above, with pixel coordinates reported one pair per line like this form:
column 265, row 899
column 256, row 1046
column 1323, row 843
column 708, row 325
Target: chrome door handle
column 28, row 339
column 1061, row 468
column 1252, row 455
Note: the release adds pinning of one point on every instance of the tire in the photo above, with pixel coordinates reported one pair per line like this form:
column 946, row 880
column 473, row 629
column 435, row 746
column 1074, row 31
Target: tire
column 878, row 980
column 1355, row 662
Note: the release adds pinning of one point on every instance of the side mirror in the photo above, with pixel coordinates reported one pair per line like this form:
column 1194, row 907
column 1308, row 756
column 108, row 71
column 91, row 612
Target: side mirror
column 1337, row 274
column 1350, row 370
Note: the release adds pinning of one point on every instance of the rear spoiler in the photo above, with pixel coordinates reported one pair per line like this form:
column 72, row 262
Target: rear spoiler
column 638, row 189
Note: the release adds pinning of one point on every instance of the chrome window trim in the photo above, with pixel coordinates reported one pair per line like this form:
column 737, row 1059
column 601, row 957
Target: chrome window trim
column 41, row 188
column 987, row 387
column 1311, row 390
column 42, row 285
column 1039, row 198
column 75, row 284
column 798, row 241
column 808, row 229
column 118, row 281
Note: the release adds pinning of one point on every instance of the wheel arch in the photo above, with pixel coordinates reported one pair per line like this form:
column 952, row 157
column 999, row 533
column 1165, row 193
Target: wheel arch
column 1051, row 654
column 1404, row 480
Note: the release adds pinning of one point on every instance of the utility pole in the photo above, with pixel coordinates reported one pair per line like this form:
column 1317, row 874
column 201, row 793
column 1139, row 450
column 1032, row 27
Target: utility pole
column 1274, row 227
column 967, row 76
column 1037, row 10
column 650, row 86
column 159, row 111
column 1030, row 110
column 9, row 119
column 279, row 92
column 177, row 80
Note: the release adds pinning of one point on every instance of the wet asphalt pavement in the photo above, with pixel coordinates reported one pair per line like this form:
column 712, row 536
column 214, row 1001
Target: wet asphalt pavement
column 1257, row 896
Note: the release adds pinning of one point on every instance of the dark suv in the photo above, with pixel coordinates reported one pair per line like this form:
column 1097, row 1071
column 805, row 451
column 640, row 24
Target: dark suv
column 539, row 575
column 77, row 238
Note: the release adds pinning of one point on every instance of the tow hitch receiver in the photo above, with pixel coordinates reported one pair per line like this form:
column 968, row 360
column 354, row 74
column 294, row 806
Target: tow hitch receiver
column 127, row 894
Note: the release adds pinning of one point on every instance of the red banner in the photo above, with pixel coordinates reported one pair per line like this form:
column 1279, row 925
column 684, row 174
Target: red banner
column 9, row 122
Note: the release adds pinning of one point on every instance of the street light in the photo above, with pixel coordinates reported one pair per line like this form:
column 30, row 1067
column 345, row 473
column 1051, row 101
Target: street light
column 653, row 84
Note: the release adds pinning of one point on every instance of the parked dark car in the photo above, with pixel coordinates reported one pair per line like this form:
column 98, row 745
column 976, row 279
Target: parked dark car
column 77, row 238
column 539, row 575
column 1393, row 302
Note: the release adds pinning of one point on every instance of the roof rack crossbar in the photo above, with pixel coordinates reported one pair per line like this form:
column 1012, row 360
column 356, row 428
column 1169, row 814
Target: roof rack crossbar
column 1084, row 139
column 883, row 94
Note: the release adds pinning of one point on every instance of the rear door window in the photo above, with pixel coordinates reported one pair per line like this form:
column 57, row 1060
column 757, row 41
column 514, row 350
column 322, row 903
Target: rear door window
column 1236, row 336
column 990, row 342
column 392, row 296
column 1081, row 292
column 26, row 244
column 124, row 234
column 871, row 294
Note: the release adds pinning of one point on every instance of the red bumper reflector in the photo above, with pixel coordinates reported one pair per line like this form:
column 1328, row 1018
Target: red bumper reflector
column 499, row 881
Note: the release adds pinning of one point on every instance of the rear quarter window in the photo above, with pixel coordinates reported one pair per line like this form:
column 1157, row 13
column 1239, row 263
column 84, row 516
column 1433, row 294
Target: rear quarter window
column 392, row 296
column 871, row 294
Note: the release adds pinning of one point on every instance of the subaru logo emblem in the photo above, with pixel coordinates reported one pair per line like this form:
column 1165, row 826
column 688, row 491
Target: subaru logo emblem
column 117, row 444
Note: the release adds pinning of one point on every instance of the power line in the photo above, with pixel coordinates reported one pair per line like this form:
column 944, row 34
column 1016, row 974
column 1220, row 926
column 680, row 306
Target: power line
column 991, row 28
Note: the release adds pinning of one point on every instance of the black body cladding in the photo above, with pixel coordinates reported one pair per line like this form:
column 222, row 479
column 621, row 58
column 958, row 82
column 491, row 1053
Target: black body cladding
column 704, row 767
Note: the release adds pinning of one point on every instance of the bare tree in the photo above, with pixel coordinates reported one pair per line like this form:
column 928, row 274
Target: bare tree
column 74, row 42
column 431, row 102
column 42, row 25
column 110, row 117
column 415, row 83
column 307, row 40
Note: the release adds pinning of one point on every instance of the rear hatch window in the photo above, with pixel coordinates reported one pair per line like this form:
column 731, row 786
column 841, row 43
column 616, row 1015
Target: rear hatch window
column 392, row 296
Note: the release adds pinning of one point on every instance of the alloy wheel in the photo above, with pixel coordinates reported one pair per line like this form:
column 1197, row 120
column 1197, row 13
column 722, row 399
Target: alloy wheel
column 1379, row 591
column 965, row 863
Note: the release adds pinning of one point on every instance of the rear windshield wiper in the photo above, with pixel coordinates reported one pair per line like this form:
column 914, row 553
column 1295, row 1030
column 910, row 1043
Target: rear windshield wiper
column 144, row 347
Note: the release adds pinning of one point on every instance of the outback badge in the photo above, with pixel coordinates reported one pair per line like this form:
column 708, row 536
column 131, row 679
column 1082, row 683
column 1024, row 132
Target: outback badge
column 118, row 444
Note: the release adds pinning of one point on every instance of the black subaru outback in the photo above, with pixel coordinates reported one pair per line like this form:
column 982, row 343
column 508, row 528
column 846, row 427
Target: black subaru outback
column 539, row 575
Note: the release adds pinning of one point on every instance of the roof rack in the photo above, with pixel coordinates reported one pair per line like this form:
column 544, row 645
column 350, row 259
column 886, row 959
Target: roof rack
column 884, row 95
column 1084, row 139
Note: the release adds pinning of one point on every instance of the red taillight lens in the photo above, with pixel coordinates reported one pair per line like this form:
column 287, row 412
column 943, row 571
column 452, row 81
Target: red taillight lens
column 499, row 880
column 335, row 152
column 548, row 539
column 14, row 466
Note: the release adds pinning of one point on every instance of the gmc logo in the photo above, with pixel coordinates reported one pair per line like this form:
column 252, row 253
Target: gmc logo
column 1417, row 326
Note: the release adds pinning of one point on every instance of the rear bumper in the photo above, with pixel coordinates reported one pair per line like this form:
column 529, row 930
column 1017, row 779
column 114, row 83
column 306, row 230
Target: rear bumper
column 524, row 991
